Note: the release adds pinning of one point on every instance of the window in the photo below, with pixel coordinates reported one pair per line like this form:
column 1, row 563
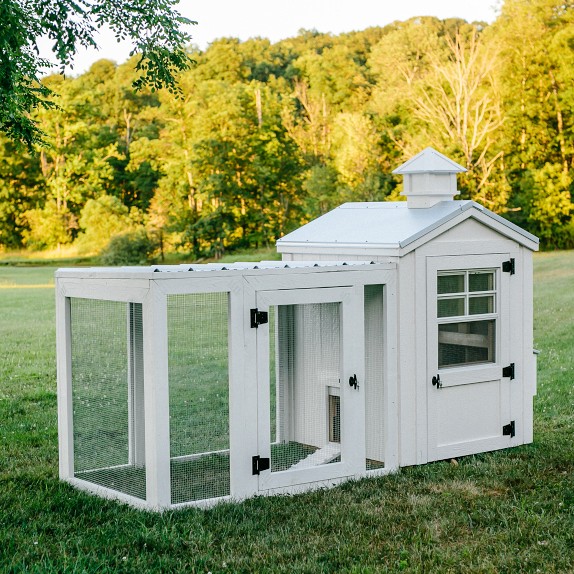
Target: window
column 467, row 314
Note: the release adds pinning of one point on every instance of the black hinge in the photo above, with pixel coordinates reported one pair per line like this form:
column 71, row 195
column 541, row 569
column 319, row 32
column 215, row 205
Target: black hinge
column 508, row 266
column 508, row 371
column 509, row 429
column 259, row 464
column 258, row 318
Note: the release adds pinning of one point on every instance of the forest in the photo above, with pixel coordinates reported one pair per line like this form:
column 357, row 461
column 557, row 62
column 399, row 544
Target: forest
column 264, row 137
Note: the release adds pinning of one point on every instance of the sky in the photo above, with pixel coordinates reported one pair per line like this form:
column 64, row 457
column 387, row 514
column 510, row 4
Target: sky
column 277, row 20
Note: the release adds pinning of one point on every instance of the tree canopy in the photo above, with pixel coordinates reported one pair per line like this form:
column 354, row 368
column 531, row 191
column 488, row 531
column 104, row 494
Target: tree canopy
column 156, row 29
column 265, row 136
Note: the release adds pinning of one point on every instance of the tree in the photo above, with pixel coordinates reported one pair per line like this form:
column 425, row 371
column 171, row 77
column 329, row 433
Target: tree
column 460, row 107
column 307, row 121
column 20, row 178
column 536, row 45
column 399, row 63
column 154, row 26
column 102, row 219
column 262, row 137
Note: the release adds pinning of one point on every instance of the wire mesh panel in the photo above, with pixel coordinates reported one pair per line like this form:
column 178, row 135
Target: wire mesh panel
column 466, row 343
column 305, row 357
column 198, row 396
column 107, row 394
column 374, row 376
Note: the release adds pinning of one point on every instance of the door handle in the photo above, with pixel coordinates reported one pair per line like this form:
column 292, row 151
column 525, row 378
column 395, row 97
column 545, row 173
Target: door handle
column 436, row 382
column 353, row 382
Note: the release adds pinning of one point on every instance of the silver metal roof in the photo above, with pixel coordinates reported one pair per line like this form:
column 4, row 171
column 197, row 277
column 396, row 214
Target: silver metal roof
column 148, row 270
column 429, row 161
column 385, row 224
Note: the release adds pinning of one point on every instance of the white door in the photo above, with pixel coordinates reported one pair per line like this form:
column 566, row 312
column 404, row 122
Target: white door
column 468, row 335
column 311, row 411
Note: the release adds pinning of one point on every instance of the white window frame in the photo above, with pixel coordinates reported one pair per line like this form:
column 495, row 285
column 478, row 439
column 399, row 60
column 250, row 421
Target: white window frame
column 467, row 317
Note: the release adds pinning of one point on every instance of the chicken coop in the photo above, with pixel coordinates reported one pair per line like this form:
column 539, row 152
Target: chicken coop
column 187, row 385
column 391, row 334
column 467, row 366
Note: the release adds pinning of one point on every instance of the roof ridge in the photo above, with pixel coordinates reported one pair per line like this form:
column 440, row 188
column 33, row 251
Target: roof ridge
column 429, row 160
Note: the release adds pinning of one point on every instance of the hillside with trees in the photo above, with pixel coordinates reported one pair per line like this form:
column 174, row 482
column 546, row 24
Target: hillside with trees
column 264, row 137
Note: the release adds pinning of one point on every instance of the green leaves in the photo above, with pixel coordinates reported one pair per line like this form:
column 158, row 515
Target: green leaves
column 20, row 89
column 534, row 42
column 154, row 26
column 258, row 138
column 158, row 33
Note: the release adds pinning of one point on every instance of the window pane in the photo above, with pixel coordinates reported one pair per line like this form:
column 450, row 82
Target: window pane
column 450, row 307
column 466, row 343
column 481, row 281
column 479, row 305
column 450, row 284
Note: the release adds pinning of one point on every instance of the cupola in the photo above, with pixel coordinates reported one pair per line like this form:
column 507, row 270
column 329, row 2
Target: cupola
column 429, row 178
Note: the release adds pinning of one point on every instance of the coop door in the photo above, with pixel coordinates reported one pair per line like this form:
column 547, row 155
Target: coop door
column 311, row 402
column 468, row 388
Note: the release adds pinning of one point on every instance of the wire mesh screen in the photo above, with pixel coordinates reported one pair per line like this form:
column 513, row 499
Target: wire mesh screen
column 374, row 376
column 198, row 395
column 466, row 343
column 305, row 356
column 107, row 394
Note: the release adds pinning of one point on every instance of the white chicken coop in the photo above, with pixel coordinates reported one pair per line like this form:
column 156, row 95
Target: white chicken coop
column 185, row 385
column 391, row 334
column 467, row 368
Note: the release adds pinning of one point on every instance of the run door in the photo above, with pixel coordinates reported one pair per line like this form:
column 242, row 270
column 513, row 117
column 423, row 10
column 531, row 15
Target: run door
column 310, row 362
column 469, row 375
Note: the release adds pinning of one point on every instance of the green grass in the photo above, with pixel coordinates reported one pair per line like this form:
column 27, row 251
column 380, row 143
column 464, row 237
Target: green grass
column 508, row 511
column 66, row 257
column 69, row 258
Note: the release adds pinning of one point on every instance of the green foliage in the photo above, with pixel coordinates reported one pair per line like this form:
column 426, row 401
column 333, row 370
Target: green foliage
column 100, row 220
column 551, row 201
column 263, row 137
column 19, row 176
column 545, row 204
column 536, row 55
column 49, row 226
column 20, row 88
column 321, row 184
column 131, row 248
column 156, row 31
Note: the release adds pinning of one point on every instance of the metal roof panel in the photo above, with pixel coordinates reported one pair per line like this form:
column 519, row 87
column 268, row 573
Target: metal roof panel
column 429, row 161
column 385, row 223
column 389, row 223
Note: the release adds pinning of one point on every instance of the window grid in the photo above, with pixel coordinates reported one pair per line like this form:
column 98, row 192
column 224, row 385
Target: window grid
column 467, row 295
column 467, row 317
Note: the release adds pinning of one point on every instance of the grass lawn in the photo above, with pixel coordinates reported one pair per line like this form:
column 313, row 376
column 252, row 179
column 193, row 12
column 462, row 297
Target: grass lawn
column 508, row 511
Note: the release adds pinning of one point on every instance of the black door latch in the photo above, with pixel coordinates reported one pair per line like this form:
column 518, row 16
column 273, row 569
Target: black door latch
column 436, row 382
column 353, row 382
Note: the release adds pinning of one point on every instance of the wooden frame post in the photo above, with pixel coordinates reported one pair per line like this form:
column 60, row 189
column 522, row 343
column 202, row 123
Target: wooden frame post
column 64, row 369
column 156, row 396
